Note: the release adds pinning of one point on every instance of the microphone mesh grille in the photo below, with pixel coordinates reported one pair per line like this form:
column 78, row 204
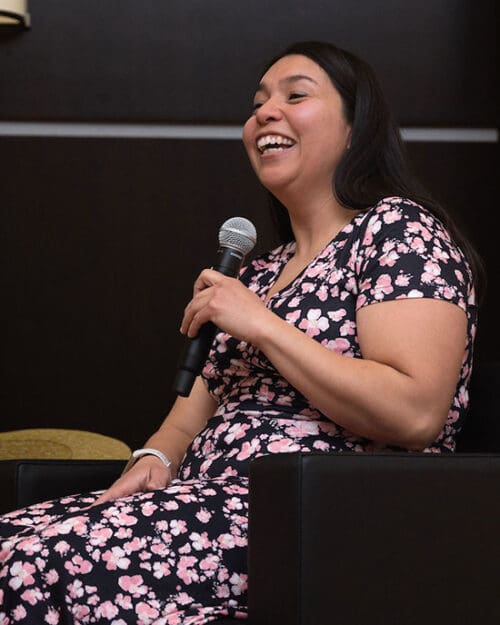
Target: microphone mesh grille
column 238, row 233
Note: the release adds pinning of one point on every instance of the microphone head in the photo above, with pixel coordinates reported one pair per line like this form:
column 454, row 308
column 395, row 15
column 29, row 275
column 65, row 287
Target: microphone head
column 238, row 233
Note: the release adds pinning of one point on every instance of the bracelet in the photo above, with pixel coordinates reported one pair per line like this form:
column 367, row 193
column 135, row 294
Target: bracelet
column 148, row 451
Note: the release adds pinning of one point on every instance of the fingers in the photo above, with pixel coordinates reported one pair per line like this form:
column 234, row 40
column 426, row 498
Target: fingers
column 119, row 489
column 202, row 307
column 207, row 278
column 144, row 478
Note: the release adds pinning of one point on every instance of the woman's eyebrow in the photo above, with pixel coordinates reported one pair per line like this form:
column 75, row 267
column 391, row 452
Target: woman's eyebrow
column 288, row 80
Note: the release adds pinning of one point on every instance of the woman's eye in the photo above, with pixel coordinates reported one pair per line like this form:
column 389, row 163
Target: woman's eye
column 256, row 105
column 296, row 96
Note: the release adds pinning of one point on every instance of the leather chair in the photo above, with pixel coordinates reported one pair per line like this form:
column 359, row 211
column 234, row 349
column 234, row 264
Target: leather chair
column 406, row 539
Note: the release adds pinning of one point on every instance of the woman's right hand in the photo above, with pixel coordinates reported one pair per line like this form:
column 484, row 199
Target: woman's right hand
column 147, row 474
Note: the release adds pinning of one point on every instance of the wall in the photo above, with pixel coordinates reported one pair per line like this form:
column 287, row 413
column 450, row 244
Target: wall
column 106, row 218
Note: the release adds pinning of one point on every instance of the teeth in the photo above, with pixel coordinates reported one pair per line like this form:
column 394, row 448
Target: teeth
column 269, row 142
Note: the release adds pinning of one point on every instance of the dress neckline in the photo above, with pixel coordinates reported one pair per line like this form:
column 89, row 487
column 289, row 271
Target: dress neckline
column 288, row 250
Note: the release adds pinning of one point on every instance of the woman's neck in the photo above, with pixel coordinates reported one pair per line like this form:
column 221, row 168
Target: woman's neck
column 314, row 224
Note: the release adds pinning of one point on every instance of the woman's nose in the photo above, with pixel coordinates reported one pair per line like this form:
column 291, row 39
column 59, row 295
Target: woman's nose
column 268, row 111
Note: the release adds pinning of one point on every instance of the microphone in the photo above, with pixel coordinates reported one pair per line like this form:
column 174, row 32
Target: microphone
column 237, row 236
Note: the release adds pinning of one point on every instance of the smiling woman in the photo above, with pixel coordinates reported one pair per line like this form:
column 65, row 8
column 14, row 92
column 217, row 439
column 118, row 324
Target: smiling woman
column 355, row 334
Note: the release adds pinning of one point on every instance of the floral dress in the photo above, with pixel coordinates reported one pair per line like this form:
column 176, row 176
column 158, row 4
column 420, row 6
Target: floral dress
column 178, row 555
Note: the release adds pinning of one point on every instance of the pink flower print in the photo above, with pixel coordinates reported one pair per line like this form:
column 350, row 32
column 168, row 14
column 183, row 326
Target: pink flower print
column 75, row 589
column 321, row 445
column 308, row 287
column 315, row 323
column 115, row 559
column 21, row 574
column 178, row 526
column 30, row 545
column 235, row 432
column 322, row 293
column 161, row 569
column 391, row 216
column 337, row 315
column 184, row 599
column 402, row 280
column 448, row 293
column 186, row 548
column 233, row 504
column 389, row 259
column 148, row 508
column 222, row 591
column 248, row 449
column 361, row 301
column 184, row 570
column 123, row 533
column 99, row 537
column 199, row 541
column 106, row 610
column 146, row 613
column 124, row 601
column 415, row 227
column 337, row 345
column 285, row 445
column 51, row 577
column 136, row 544
column 348, row 328
column 133, row 584
column 210, row 563
column 431, row 272
column 292, row 316
column 383, row 286
column 78, row 565
column 203, row 515
column 238, row 583
column 294, row 302
column 18, row 613
column 417, row 244
column 226, row 541
column 62, row 547
column 415, row 293
column 171, row 505
column 266, row 395
column 439, row 254
column 52, row 616
column 32, row 596
column 459, row 275
column 299, row 429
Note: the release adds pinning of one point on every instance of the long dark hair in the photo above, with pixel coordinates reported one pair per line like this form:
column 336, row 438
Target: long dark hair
column 376, row 164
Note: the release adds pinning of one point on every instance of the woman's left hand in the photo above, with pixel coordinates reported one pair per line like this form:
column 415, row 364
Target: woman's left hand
column 228, row 304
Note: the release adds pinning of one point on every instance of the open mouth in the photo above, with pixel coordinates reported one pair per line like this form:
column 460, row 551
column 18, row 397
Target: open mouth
column 274, row 143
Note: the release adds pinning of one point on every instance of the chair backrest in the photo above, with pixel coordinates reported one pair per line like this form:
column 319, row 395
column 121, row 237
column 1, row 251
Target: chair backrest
column 481, row 432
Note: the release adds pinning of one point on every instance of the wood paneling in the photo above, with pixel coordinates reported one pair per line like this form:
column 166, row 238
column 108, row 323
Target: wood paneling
column 197, row 61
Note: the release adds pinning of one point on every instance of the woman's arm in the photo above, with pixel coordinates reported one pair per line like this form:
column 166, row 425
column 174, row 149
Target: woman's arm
column 400, row 391
column 186, row 418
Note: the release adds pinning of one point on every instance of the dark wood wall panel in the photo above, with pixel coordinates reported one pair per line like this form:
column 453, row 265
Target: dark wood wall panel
column 100, row 243
column 197, row 61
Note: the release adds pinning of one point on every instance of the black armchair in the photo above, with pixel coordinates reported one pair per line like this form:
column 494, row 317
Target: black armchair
column 406, row 539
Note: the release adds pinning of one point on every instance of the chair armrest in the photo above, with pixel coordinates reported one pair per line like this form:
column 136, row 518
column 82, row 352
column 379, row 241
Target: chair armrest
column 374, row 538
column 24, row 482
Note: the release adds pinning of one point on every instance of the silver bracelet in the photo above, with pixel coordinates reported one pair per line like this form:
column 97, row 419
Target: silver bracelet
column 147, row 451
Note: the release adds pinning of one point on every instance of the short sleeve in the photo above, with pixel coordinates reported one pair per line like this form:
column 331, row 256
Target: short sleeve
column 403, row 252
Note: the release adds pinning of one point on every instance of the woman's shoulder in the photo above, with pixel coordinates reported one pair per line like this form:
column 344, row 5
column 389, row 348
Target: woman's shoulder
column 399, row 214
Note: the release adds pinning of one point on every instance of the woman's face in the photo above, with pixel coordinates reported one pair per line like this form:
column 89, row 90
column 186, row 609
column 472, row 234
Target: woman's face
column 297, row 133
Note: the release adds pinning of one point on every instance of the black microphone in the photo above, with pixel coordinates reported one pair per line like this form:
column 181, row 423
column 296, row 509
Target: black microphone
column 237, row 236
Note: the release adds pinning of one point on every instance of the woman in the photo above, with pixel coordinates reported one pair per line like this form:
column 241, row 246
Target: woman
column 354, row 335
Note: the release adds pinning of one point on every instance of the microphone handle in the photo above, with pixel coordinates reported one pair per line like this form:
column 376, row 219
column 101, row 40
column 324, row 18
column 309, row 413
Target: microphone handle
column 196, row 349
